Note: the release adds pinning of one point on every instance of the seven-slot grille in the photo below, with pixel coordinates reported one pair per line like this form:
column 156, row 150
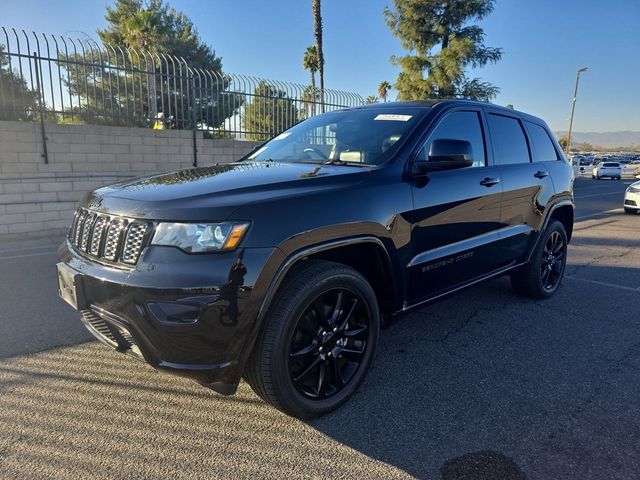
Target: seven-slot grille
column 108, row 237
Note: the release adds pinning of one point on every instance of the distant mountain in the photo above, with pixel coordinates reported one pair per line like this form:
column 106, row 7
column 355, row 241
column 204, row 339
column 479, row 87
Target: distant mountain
column 626, row 138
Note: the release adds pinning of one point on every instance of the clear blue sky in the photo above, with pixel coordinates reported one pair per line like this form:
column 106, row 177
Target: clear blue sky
column 544, row 42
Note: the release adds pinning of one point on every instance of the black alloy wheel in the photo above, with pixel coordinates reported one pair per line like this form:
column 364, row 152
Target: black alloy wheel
column 553, row 261
column 317, row 340
column 328, row 344
column 541, row 276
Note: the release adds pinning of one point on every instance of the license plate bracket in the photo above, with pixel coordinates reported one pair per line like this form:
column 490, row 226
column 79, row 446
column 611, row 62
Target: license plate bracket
column 70, row 286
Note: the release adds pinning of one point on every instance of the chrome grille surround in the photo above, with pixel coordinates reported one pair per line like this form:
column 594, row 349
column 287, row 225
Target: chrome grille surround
column 98, row 233
column 133, row 242
column 114, row 238
column 86, row 231
column 77, row 227
column 108, row 238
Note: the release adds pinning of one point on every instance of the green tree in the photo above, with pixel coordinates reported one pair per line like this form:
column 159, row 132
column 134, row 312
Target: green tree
column 145, row 31
column 444, row 45
column 317, row 31
column 270, row 112
column 371, row 99
column 310, row 62
column 157, row 28
column 383, row 90
column 17, row 100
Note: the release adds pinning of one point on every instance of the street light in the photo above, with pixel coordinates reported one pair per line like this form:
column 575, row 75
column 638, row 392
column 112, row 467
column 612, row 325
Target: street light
column 573, row 107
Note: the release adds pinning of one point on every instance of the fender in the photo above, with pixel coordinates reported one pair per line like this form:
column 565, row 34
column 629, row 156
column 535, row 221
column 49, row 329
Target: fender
column 311, row 250
column 281, row 273
column 547, row 217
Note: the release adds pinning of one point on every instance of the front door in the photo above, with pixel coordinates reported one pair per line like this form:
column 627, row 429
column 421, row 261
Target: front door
column 456, row 214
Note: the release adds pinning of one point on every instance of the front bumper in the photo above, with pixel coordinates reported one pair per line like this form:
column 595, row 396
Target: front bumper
column 187, row 314
column 632, row 200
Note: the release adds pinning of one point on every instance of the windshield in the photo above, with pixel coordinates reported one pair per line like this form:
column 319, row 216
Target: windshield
column 367, row 136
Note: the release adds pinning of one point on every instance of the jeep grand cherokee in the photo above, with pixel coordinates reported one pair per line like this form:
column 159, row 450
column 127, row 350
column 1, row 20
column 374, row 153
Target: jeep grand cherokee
column 279, row 267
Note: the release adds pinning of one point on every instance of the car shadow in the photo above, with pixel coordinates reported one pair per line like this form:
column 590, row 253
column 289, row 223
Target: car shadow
column 482, row 385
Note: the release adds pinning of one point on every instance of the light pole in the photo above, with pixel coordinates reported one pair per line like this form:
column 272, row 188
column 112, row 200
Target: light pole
column 573, row 108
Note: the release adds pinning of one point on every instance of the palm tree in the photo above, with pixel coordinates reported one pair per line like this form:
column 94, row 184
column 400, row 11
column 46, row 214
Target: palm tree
column 309, row 100
column 317, row 30
column 310, row 62
column 371, row 99
column 383, row 90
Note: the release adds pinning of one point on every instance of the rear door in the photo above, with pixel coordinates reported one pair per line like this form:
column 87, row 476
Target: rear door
column 456, row 213
column 527, row 185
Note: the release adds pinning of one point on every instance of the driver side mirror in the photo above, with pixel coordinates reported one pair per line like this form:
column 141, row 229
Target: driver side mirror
column 447, row 154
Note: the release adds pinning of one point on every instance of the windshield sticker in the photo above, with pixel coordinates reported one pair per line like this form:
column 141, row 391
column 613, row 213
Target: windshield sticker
column 282, row 136
column 393, row 117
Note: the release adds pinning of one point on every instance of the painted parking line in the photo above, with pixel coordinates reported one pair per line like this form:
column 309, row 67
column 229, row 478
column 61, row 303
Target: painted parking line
column 600, row 194
column 26, row 255
column 599, row 214
column 604, row 284
column 26, row 249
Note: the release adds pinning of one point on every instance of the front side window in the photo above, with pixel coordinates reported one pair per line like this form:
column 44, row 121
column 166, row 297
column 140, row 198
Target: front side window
column 543, row 149
column 367, row 136
column 459, row 126
column 509, row 143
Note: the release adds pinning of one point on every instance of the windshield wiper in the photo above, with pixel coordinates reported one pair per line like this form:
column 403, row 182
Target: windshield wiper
column 335, row 161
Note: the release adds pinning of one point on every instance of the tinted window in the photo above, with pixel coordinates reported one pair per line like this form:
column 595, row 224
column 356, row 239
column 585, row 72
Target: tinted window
column 509, row 142
column 460, row 126
column 543, row 149
column 614, row 165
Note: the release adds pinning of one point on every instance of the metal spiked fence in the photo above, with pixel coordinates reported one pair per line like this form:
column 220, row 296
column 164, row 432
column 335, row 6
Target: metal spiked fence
column 72, row 80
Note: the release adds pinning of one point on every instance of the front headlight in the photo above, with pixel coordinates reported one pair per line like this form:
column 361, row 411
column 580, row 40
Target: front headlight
column 200, row 237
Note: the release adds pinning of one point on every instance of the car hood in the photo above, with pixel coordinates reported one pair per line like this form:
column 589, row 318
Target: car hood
column 213, row 193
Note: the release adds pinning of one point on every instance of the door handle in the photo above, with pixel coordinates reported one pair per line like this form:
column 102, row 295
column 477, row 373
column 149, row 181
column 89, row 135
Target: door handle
column 541, row 174
column 489, row 181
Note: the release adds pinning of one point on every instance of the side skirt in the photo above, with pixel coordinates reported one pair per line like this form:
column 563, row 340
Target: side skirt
column 496, row 273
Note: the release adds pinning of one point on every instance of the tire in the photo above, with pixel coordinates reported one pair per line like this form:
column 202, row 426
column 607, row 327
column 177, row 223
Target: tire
column 286, row 364
column 529, row 280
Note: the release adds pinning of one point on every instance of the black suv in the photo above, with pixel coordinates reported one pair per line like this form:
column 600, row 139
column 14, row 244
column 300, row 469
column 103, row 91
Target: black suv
column 281, row 267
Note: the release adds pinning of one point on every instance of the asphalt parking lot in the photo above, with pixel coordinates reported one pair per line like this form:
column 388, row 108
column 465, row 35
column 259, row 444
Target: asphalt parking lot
column 482, row 385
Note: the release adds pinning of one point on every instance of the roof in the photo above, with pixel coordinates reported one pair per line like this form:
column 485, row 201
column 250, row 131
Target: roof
column 424, row 103
column 448, row 102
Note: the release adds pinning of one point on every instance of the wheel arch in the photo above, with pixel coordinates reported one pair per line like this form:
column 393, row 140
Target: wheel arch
column 365, row 254
column 564, row 213
column 327, row 250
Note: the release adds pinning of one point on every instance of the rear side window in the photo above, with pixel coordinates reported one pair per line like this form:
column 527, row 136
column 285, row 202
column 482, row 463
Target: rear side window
column 509, row 143
column 460, row 126
column 543, row 149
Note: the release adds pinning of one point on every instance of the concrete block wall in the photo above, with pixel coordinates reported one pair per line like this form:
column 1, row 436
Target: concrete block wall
column 38, row 199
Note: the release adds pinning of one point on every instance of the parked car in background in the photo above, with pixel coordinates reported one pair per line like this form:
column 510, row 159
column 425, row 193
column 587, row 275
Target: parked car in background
column 632, row 198
column 607, row 169
column 584, row 165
